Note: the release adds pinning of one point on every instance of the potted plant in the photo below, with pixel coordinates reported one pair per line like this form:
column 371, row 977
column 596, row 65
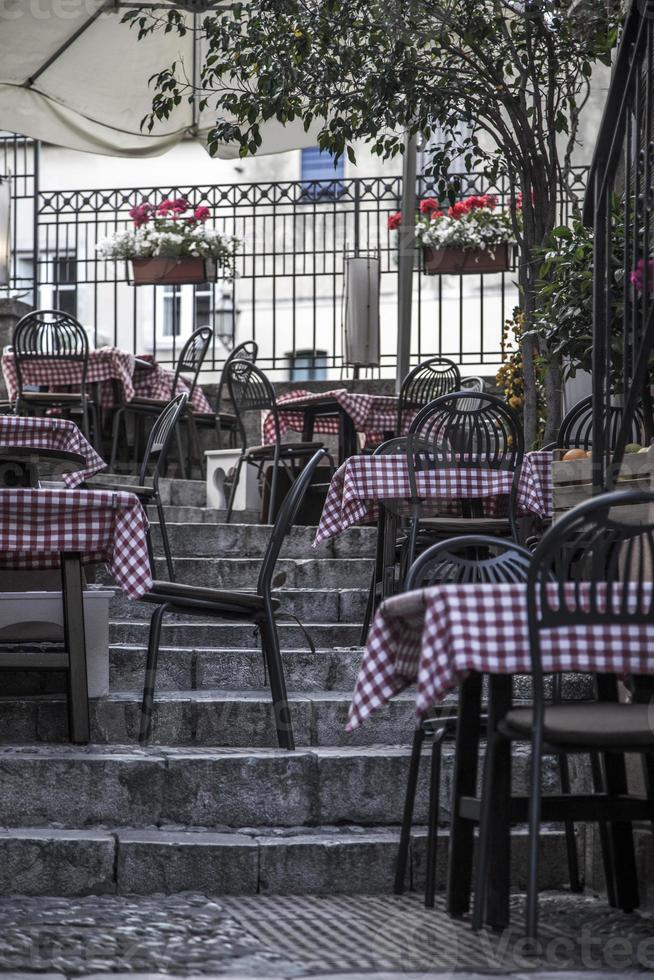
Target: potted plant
column 171, row 244
column 472, row 236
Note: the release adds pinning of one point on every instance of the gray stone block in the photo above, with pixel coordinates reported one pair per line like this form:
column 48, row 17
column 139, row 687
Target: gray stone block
column 79, row 788
column 18, row 720
column 328, row 864
column 240, row 789
column 391, row 725
column 56, row 862
column 166, row 862
column 247, row 720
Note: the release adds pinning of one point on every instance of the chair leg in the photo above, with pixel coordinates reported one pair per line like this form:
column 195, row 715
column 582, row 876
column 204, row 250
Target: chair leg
column 370, row 608
column 483, row 847
column 118, row 418
column 270, row 516
column 534, row 835
column 603, row 831
column 432, row 823
column 194, row 449
column 164, row 537
column 272, row 653
column 407, row 816
column 180, row 453
column 145, row 731
column 570, row 838
column 232, row 492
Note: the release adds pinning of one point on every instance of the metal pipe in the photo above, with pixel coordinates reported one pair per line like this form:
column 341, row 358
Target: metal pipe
column 406, row 259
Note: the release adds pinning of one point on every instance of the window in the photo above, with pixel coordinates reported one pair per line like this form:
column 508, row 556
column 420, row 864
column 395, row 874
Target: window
column 308, row 365
column 172, row 311
column 318, row 165
column 204, row 305
column 65, row 284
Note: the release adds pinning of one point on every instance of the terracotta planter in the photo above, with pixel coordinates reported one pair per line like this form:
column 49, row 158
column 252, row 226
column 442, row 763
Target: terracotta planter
column 162, row 270
column 461, row 262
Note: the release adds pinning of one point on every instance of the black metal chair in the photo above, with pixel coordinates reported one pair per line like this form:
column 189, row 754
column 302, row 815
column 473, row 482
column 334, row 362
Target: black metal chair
column 226, row 423
column 251, row 391
column 423, row 384
column 460, row 431
column 576, row 430
column 607, row 542
column 187, row 370
column 154, row 458
column 46, row 337
column 257, row 607
column 461, row 561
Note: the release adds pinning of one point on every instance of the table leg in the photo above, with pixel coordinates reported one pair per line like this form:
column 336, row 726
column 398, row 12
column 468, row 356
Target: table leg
column 389, row 551
column 464, row 783
column 75, row 640
column 308, row 425
column 348, row 444
column 499, row 878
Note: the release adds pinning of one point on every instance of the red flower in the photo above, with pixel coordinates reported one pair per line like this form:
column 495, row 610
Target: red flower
column 519, row 199
column 201, row 213
column 429, row 206
column 177, row 206
column 459, row 209
column 164, row 208
column 394, row 220
column 180, row 205
column 140, row 214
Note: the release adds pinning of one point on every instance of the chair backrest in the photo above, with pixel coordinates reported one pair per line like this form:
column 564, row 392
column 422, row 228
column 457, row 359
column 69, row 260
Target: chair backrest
column 479, row 432
column 160, row 437
column 469, row 559
column 50, row 335
column 576, row 430
column 247, row 351
column 472, row 384
column 430, row 379
column 607, row 542
column 192, row 357
column 250, row 390
column 285, row 519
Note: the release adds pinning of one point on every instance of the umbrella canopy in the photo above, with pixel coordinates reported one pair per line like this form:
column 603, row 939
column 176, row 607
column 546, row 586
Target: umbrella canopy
column 72, row 74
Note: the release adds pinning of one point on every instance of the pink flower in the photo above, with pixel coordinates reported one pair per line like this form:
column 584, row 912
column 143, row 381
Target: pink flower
column 637, row 276
column 429, row 206
column 140, row 214
column 180, row 205
column 164, row 208
column 201, row 213
column 394, row 220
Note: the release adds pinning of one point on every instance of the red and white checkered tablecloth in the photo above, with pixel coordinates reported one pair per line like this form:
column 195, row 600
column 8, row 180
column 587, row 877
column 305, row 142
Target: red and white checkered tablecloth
column 362, row 481
column 52, row 433
column 102, row 525
column 373, row 415
column 433, row 637
column 106, row 365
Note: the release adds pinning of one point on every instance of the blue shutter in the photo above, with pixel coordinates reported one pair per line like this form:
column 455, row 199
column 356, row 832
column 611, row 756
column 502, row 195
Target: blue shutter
column 318, row 165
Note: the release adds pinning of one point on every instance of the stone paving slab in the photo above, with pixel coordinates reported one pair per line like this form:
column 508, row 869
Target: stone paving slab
column 357, row 937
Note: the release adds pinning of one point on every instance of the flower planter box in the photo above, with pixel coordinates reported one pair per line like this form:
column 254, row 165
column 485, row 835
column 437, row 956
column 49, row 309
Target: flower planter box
column 461, row 261
column 162, row 270
column 573, row 482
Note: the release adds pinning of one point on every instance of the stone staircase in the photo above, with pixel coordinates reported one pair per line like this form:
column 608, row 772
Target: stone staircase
column 212, row 806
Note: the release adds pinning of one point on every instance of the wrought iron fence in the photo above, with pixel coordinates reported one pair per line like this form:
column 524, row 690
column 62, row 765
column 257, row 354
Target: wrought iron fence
column 288, row 289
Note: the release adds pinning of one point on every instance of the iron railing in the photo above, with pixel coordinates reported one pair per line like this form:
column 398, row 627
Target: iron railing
column 620, row 205
column 288, row 289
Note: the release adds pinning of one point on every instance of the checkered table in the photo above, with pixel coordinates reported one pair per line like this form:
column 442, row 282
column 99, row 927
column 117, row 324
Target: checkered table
column 51, row 433
column 36, row 526
column 105, row 366
column 372, row 415
column 362, row 481
column 433, row 637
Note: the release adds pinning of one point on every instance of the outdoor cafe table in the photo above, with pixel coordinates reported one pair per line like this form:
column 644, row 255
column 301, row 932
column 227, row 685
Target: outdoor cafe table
column 54, row 435
column 340, row 412
column 360, row 483
column 107, row 367
column 56, row 528
column 449, row 635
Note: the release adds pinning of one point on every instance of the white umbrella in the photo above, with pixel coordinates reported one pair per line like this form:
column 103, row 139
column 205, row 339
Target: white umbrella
column 72, row 74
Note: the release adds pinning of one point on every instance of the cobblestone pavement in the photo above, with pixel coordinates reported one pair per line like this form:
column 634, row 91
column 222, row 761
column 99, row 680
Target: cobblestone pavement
column 287, row 937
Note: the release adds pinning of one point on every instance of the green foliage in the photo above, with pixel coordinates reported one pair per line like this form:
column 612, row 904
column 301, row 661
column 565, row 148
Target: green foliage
column 565, row 293
column 366, row 70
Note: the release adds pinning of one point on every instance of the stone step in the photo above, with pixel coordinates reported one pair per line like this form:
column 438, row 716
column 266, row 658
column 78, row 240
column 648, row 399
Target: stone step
column 231, row 636
column 78, row 786
column 325, row 860
column 198, row 668
column 183, row 514
column 309, row 605
column 250, row 541
column 207, row 718
column 187, row 493
column 290, row 573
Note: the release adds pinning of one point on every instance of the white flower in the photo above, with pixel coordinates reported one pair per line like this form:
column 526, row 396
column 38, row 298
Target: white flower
column 170, row 238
